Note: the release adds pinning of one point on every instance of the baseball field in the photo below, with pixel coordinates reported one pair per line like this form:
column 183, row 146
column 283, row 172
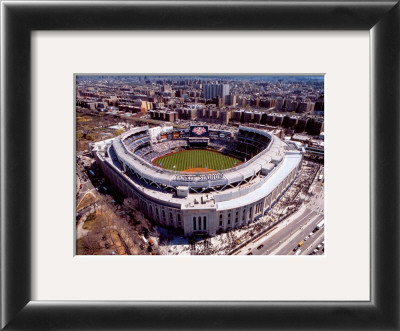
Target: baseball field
column 197, row 160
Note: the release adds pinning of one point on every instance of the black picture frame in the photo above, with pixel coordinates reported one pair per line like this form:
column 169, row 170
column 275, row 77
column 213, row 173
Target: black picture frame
column 18, row 312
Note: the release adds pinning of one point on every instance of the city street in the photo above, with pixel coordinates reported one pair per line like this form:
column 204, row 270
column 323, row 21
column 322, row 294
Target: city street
column 285, row 236
column 288, row 234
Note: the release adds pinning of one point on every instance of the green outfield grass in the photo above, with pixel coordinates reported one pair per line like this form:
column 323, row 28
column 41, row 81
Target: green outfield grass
column 197, row 160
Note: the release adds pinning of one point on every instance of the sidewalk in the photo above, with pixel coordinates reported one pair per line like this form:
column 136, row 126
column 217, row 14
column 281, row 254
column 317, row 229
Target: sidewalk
column 271, row 232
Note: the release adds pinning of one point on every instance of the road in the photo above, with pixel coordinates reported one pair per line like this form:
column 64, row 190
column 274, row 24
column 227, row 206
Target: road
column 285, row 236
column 308, row 246
column 283, row 241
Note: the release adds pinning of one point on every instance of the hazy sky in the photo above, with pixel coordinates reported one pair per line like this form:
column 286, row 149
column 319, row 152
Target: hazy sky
column 258, row 77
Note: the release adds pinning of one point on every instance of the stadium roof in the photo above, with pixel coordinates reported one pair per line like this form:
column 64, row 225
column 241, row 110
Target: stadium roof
column 290, row 162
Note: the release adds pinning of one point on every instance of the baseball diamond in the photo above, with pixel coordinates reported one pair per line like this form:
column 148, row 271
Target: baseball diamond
column 191, row 159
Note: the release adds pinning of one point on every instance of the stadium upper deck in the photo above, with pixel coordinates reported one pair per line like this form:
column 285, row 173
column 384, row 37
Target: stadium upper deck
column 264, row 162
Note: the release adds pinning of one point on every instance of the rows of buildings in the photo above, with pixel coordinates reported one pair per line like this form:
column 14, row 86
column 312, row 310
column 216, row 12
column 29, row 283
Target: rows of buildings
column 150, row 93
column 294, row 123
column 294, row 105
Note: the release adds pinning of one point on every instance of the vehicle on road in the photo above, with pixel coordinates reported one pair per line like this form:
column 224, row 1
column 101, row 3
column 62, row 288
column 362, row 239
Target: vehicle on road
column 298, row 252
column 315, row 251
column 295, row 249
column 91, row 172
column 250, row 253
column 320, row 225
column 300, row 244
column 306, row 238
column 261, row 246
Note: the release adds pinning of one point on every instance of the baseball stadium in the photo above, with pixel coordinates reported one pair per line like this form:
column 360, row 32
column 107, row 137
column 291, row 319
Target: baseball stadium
column 200, row 181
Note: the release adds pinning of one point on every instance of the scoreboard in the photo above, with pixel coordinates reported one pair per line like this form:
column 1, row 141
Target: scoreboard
column 199, row 131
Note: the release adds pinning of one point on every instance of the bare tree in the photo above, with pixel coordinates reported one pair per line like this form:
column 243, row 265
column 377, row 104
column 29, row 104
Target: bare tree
column 130, row 203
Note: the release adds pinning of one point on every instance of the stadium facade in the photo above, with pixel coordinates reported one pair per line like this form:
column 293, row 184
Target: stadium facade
column 201, row 203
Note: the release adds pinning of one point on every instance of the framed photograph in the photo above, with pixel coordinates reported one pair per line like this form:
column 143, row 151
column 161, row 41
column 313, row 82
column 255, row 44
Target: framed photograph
column 191, row 164
column 51, row 53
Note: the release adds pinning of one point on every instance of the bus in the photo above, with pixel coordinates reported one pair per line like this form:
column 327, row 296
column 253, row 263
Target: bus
column 320, row 225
